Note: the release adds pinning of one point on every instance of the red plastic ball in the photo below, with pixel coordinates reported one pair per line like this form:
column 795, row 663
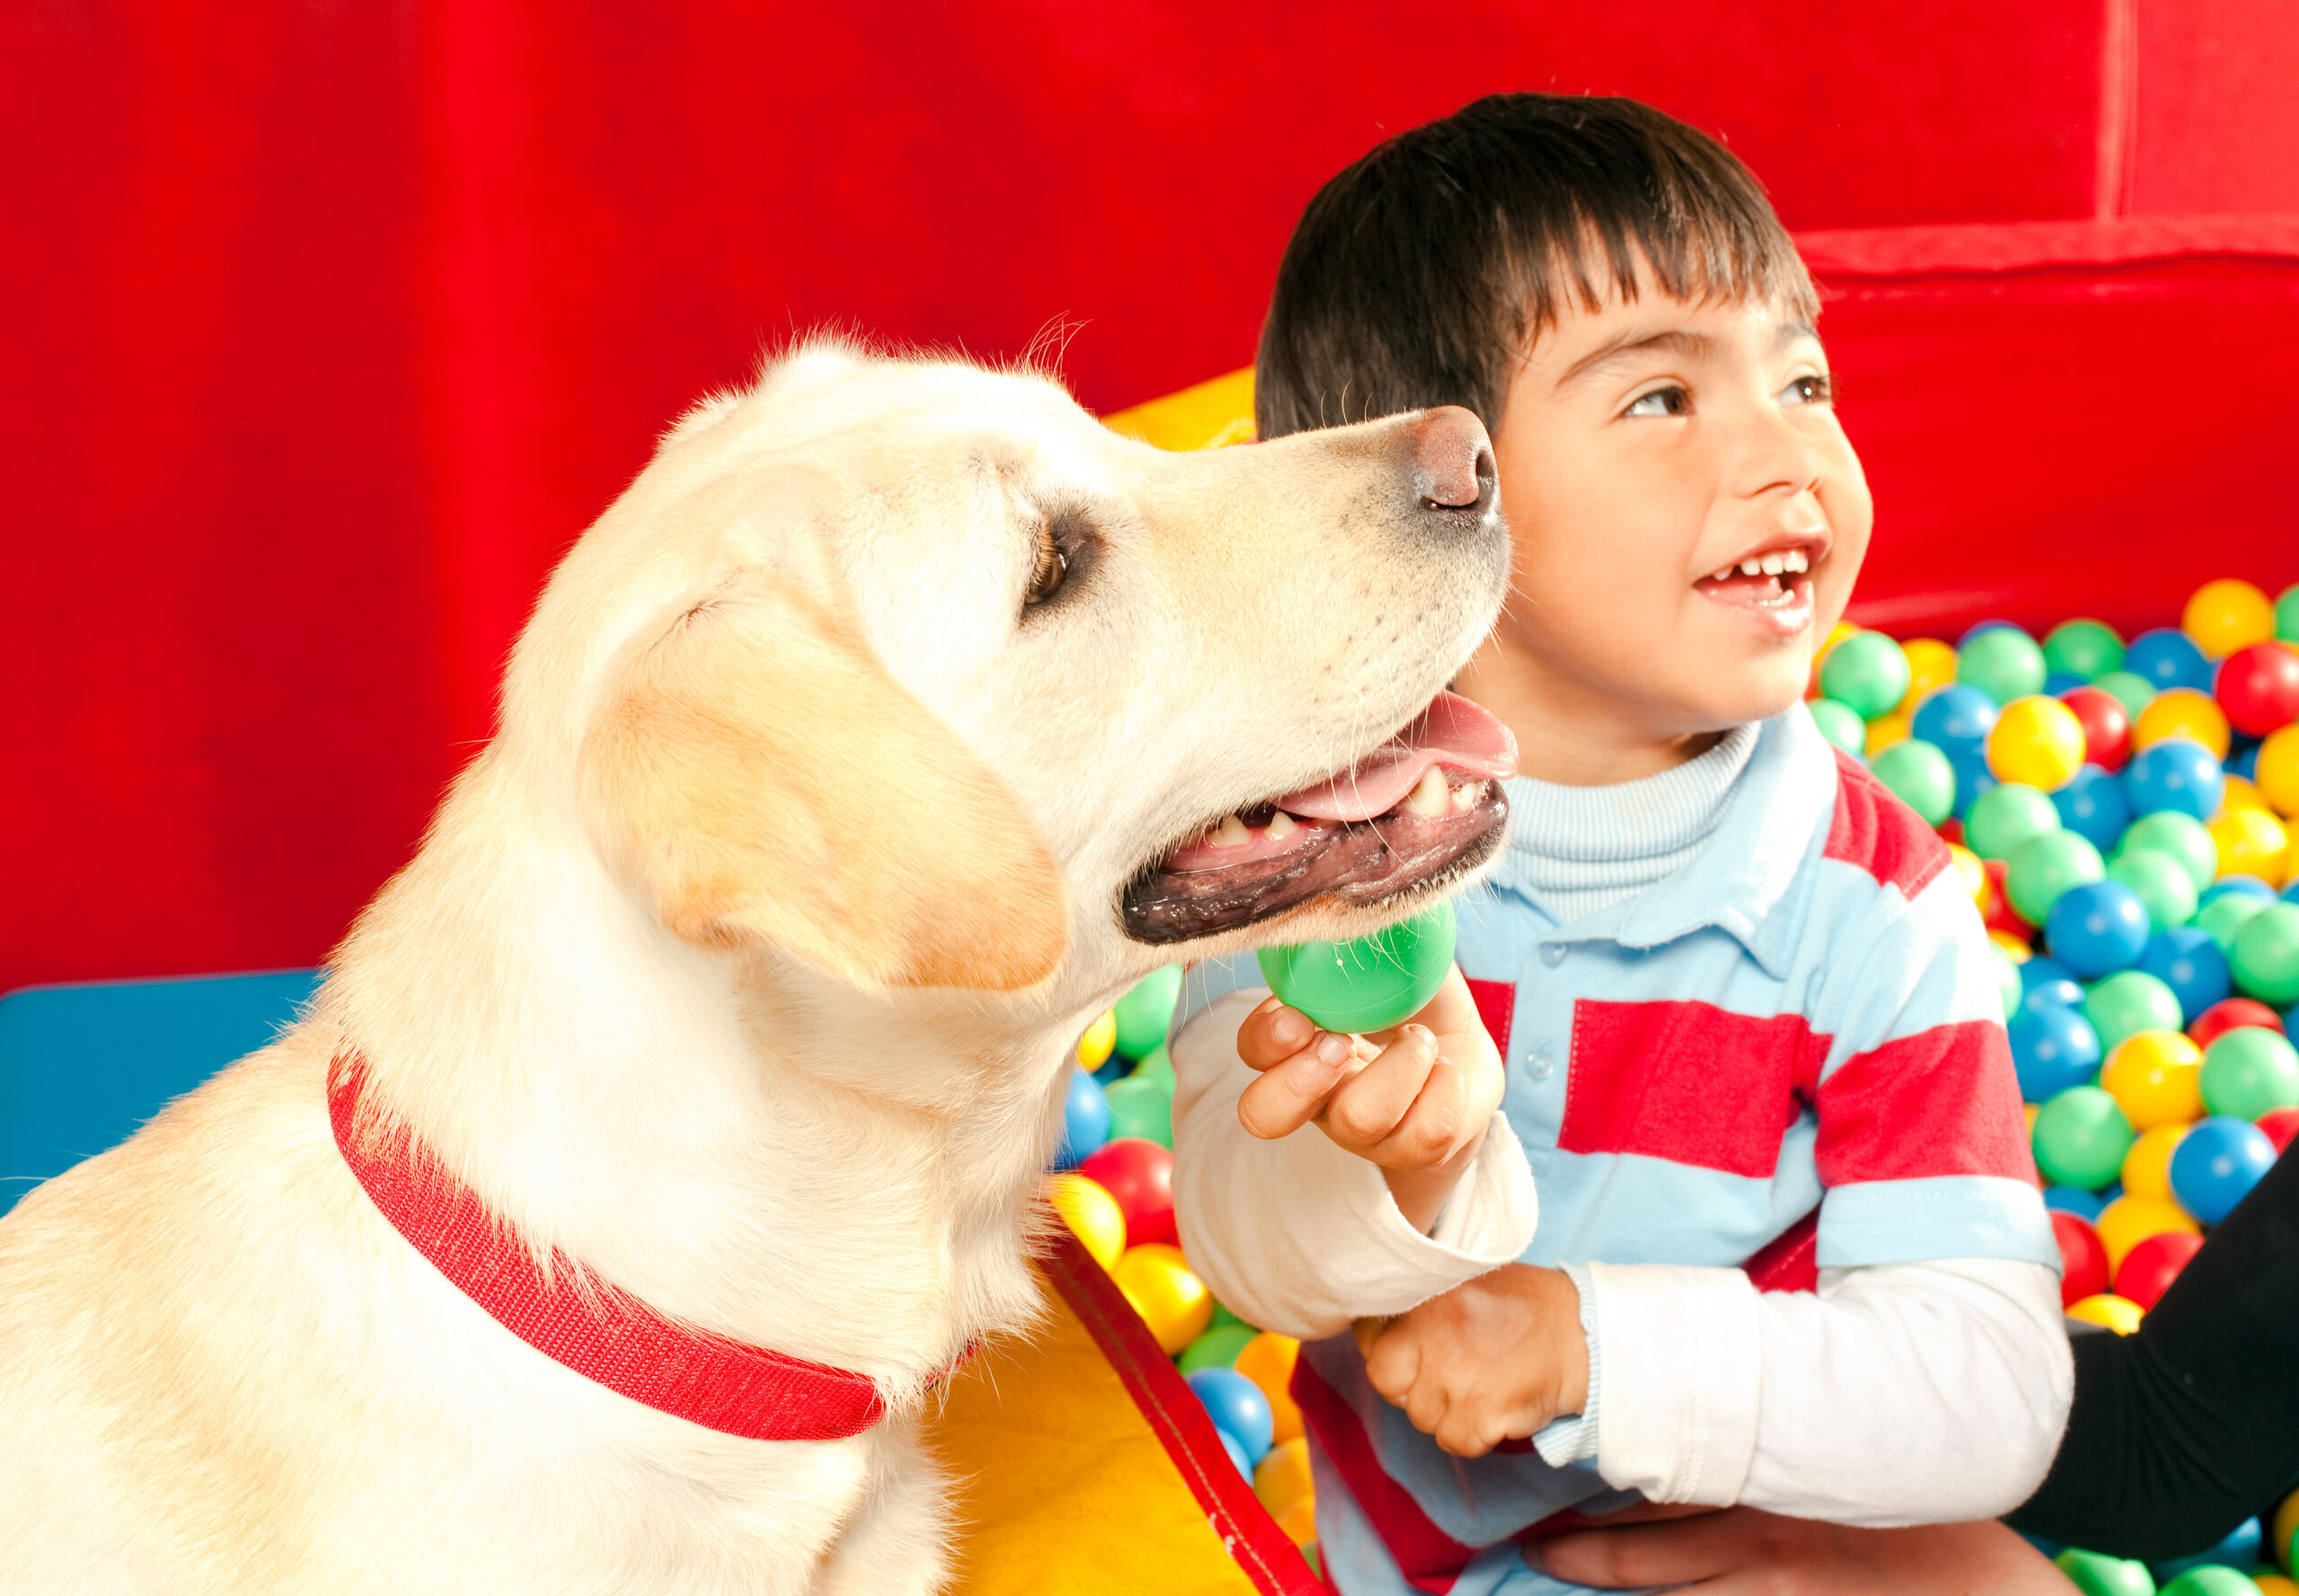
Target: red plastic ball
column 2106, row 723
column 2280, row 1125
column 2231, row 1014
column 2083, row 1256
column 1952, row 830
column 2152, row 1264
column 2001, row 915
column 1140, row 1174
column 2259, row 687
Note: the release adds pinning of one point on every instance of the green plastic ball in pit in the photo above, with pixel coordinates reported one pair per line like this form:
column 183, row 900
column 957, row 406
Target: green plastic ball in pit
column 1371, row 983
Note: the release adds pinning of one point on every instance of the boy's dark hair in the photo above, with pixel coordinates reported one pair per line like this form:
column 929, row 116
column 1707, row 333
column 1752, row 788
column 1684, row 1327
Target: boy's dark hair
column 1417, row 277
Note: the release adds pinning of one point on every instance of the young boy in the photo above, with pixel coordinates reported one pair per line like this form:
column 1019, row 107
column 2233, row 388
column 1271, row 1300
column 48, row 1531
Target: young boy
column 1747, row 1017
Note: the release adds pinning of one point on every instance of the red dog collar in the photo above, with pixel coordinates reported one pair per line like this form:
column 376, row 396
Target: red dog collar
column 601, row 1333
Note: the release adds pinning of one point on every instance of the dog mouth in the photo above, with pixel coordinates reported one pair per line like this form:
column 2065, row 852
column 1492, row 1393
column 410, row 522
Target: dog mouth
column 1424, row 807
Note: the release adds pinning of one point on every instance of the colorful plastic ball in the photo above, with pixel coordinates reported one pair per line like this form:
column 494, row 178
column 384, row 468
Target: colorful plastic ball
column 1217, row 1348
column 2096, row 928
column 1237, row 1408
column 2250, row 1071
column 2272, row 1583
column 1838, row 724
column 1158, row 1066
column 2080, row 1137
column 2084, row 1260
column 1973, row 873
column 1956, row 720
column 2183, row 713
column 2044, row 870
column 1143, row 1014
column 1085, row 1120
column 2052, row 986
column 2082, row 648
column 1268, row 1361
column 2244, row 761
column 1300, row 1522
column 2251, row 842
column 2218, row 1164
column 2162, row 882
column 1237, row 1458
column 2053, row 1048
column 2147, row 1167
column 1836, row 635
column 2153, row 1264
column 2276, row 770
column 2266, row 955
column 1867, row 673
column 2060, row 683
column 1141, row 1107
column 2279, row 1125
column 2154, row 1077
column 2249, row 886
column 1992, row 623
column 2178, row 775
column 2129, row 1220
column 1930, row 664
column 2035, row 741
column 2002, row 661
column 2134, row 692
column 2235, row 1552
column 2096, row 1573
column 1167, row 1293
column 2094, row 807
column 2258, row 688
column 1973, row 781
column 2239, row 790
column 1091, row 1213
column 2186, row 960
column 1282, row 1477
column 1920, row 776
column 2003, row 923
column 1368, row 983
column 2213, row 1579
column 2110, row 1311
column 2006, row 964
column 2225, row 918
column 2007, row 817
column 1140, row 1174
column 2180, row 834
column 2128, row 1002
column 2073, row 1199
column 2227, row 614
column 1884, row 731
column 2166, row 657
column 1094, row 1046
column 2234, row 1014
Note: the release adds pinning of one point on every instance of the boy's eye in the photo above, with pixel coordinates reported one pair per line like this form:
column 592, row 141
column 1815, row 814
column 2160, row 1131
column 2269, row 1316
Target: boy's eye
column 1814, row 390
column 1660, row 401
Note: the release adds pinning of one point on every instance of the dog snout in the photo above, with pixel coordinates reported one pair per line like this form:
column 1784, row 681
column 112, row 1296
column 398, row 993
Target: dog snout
column 1452, row 463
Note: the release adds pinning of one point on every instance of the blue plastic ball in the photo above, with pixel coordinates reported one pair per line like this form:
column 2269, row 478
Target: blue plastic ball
column 1085, row 1120
column 2058, row 681
column 1237, row 1453
column 2074, row 1200
column 2043, row 970
column 1955, row 720
column 2097, row 929
column 2217, row 1164
column 2291, row 892
column 2066, row 993
column 2239, row 1551
column 1974, row 781
column 2176, row 773
column 2186, row 959
column 2053, row 1048
column 2167, row 657
column 2250, row 886
column 2094, row 807
column 1239, row 1410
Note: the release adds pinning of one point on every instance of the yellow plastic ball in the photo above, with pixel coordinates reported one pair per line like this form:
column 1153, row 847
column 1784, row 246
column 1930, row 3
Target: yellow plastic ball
column 1930, row 664
column 1086, row 1207
column 2228, row 614
column 1300, row 1522
column 2287, row 1525
column 2015, row 949
column 2120, row 1314
column 2236, row 793
column 1267, row 1360
column 2128, row 1220
column 2251, row 842
column 1094, row 1047
column 2278, row 772
column 1170, row 1299
column 1885, row 730
column 2157, row 1079
column 2033, row 1109
column 1973, row 873
column 2147, row 1167
column 2037, row 742
column 2275, row 1584
column 2183, row 712
column 1281, row 1478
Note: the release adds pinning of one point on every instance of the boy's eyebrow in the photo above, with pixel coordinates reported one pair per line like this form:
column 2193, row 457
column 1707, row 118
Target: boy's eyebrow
column 1790, row 331
column 1671, row 340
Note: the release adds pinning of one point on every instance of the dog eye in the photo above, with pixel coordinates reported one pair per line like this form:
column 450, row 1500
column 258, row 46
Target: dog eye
column 1047, row 573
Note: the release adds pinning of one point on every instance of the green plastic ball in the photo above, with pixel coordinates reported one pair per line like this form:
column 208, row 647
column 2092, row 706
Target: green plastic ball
column 2226, row 915
column 2213, row 1579
column 1222, row 1315
column 1158, row 1066
column 1144, row 1013
column 2182, row 836
column 2081, row 1138
column 1920, row 776
column 2006, row 819
column 2266, row 955
column 2250, row 1071
column 1373, row 982
column 2132, row 691
column 2095, row 1573
column 2127, row 1002
column 2286, row 615
column 1840, row 724
column 1143, row 1109
column 2163, row 884
column 1217, row 1348
column 2008, row 985
column 2003, row 662
column 2083, row 648
column 1867, row 673
column 2048, row 865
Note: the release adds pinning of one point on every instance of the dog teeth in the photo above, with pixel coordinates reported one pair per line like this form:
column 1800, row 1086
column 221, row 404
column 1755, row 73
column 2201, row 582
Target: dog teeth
column 1232, row 832
column 1466, row 798
column 1282, row 825
column 1431, row 795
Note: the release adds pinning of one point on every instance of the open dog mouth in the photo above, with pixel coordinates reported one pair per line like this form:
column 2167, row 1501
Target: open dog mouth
column 1423, row 807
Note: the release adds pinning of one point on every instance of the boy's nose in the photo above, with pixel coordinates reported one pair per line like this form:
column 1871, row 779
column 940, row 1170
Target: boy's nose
column 1452, row 461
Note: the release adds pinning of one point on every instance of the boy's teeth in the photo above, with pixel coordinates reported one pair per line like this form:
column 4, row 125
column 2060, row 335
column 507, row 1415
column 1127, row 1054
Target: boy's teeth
column 1722, row 572
column 1431, row 795
column 1797, row 562
column 1230, row 834
column 1774, row 563
column 1752, row 568
column 1282, row 825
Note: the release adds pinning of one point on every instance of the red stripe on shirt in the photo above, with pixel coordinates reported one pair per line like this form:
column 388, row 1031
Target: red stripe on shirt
column 1871, row 828
column 1496, row 1005
column 1686, row 1082
column 1941, row 1102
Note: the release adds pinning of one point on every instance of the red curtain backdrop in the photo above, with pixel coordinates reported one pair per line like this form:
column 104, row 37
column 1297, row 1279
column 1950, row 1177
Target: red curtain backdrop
column 329, row 326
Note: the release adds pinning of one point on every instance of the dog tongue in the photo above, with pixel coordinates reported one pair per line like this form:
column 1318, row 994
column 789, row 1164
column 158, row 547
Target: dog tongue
column 1451, row 731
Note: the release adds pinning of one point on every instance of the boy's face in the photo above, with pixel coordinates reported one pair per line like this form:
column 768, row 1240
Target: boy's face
column 1649, row 453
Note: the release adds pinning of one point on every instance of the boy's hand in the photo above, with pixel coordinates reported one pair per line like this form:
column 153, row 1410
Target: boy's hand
column 1415, row 1100
column 1489, row 1361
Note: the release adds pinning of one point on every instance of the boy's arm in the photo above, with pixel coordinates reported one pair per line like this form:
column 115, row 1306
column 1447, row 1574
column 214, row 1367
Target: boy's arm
column 1298, row 1236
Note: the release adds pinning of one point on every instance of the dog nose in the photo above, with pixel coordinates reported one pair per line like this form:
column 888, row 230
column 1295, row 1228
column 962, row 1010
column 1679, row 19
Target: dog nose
column 1452, row 460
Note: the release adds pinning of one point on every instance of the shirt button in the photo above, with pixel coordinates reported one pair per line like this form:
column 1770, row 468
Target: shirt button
column 1540, row 1066
column 1552, row 953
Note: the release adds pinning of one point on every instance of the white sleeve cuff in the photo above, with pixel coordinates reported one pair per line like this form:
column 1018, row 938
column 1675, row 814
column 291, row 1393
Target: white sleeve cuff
column 1682, row 1360
column 1573, row 1437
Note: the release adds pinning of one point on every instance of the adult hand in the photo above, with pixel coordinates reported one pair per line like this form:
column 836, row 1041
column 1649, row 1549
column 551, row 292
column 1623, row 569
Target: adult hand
column 1743, row 1551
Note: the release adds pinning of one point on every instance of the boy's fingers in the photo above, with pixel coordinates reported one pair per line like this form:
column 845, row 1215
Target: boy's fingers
column 1392, row 1358
column 1458, row 1434
column 1368, row 1108
column 1291, row 1092
column 1368, row 1331
column 1435, row 1128
column 1272, row 1033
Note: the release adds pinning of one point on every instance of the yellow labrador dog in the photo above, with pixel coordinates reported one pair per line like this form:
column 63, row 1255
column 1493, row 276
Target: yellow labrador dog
column 675, row 1120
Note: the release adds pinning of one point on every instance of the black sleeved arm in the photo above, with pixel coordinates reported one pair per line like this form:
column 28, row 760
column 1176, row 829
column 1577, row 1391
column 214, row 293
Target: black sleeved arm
column 2187, row 1427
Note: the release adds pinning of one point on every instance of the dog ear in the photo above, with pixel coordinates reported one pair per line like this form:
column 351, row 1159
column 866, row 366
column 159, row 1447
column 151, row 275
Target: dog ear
column 768, row 780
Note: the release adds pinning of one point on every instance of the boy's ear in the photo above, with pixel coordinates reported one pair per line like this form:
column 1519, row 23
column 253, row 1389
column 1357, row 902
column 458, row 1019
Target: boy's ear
column 768, row 782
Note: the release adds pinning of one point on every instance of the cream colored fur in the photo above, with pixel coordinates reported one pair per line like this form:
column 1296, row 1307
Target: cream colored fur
column 741, row 966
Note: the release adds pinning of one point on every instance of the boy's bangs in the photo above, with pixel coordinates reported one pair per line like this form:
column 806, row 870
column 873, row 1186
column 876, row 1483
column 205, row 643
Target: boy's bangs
column 1695, row 245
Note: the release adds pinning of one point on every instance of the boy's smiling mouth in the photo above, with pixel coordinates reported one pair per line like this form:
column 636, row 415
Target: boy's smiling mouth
column 1771, row 583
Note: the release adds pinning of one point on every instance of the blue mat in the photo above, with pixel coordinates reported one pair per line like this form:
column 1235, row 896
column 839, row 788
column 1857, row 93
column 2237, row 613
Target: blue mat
column 82, row 1066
